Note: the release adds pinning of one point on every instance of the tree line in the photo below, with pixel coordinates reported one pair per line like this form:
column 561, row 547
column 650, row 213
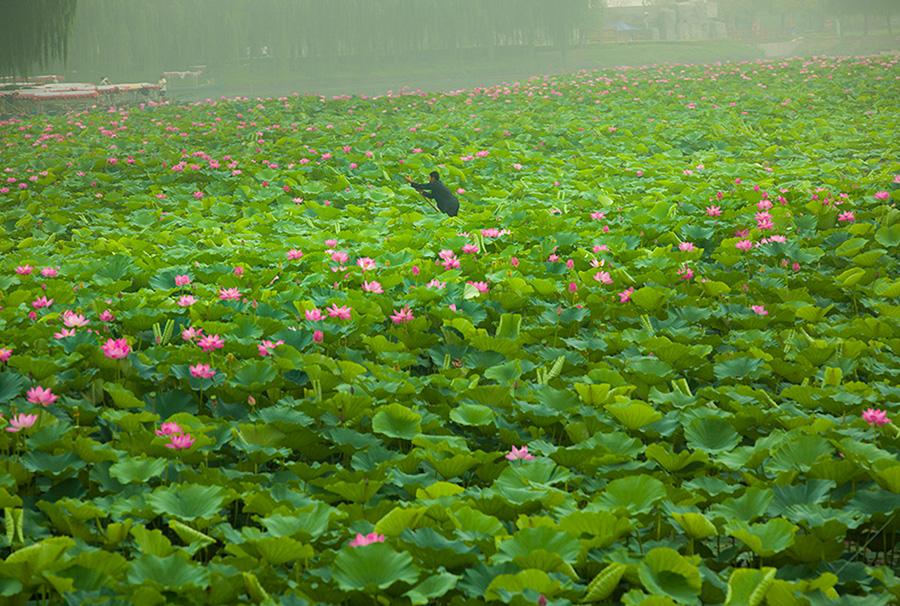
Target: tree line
column 136, row 36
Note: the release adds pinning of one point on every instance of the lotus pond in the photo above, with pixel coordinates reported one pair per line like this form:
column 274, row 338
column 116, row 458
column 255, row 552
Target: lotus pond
column 653, row 361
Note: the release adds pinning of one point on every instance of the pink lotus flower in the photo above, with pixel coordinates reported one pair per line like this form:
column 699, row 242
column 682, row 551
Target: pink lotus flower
column 373, row 287
column 39, row 395
column 470, row 249
column 116, row 349
column 363, row 540
column 266, row 347
column 24, row 270
column 180, row 441
column 765, row 224
column 186, row 300
column 318, row 336
column 744, row 245
column 294, row 254
column 168, row 429
column 238, row 271
column 210, row 342
column 514, row 261
column 198, row 195
column 573, row 287
column 65, row 332
column 415, row 270
column 491, row 232
column 182, row 280
column 5, row 355
column 331, row 243
column 686, row 273
column 764, row 204
column 598, row 216
column 21, row 421
column 625, row 295
column 314, row 315
column 519, row 454
column 481, row 287
column 189, row 334
column 553, row 258
column 846, row 217
column 713, row 211
column 339, row 256
column 202, row 371
column 229, row 294
column 603, row 277
column 73, row 320
column 759, row 310
column 875, row 416
column 342, row 312
column 882, row 195
column 107, row 316
column 686, row 246
column 366, row 263
column 437, row 284
column 41, row 302
column 402, row 316
column 49, row 272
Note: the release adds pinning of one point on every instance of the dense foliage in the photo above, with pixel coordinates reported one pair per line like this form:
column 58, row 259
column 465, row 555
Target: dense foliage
column 130, row 37
column 34, row 33
column 652, row 362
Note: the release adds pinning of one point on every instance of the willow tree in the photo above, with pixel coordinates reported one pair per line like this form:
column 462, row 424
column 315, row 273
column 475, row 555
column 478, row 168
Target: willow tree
column 35, row 32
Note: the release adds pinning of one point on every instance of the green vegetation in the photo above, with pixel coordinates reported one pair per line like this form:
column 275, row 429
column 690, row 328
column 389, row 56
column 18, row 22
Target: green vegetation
column 653, row 361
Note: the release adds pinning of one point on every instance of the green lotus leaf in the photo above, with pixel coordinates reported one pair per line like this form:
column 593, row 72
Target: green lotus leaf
column 281, row 550
column 633, row 415
column 664, row 572
column 606, row 581
column 173, row 573
column 536, row 581
column 255, row 376
column 754, row 503
column 766, row 539
column 373, row 567
column 747, row 587
column 542, row 538
column 695, row 525
column 137, row 469
column 435, row 586
column 397, row 421
column 187, row 501
column 11, row 385
column 711, row 435
column 638, row 494
column 472, row 414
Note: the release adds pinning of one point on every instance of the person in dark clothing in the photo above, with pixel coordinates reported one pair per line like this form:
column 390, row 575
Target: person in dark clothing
column 437, row 191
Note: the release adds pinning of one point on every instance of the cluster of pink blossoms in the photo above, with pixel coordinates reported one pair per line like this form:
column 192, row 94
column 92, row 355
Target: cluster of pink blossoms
column 178, row 439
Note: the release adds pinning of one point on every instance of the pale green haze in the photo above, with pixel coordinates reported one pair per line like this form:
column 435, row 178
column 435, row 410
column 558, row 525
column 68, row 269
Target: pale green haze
column 266, row 47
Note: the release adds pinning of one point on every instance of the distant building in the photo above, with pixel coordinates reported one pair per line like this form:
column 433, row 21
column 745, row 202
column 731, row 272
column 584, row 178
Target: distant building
column 631, row 20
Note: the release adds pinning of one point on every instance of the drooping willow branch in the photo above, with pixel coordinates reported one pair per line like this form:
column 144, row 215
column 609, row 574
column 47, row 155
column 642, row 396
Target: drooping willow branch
column 34, row 33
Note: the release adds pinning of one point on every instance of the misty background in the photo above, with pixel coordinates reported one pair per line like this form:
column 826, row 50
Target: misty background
column 272, row 47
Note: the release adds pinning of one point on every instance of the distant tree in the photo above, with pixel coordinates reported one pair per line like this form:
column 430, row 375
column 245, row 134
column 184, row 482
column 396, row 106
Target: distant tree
column 34, row 33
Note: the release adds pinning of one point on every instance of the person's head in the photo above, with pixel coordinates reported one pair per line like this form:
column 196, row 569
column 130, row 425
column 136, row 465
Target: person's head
column 434, row 176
